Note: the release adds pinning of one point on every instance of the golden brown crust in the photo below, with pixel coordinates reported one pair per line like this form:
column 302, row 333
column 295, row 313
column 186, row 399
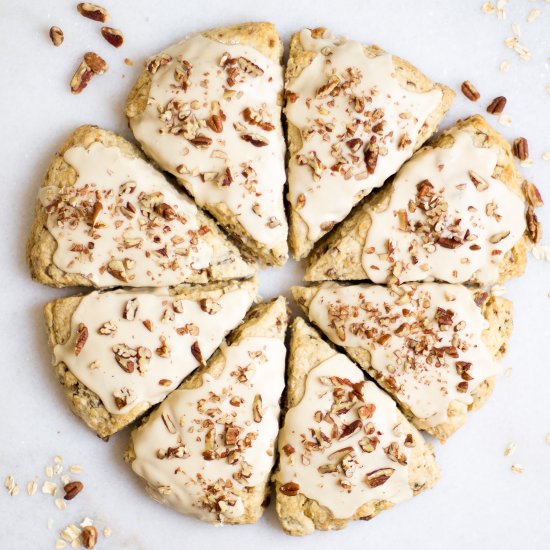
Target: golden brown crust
column 409, row 78
column 496, row 310
column 300, row 515
column 41, row 245
column 85, row 403
column 338, row 256
column 263, row 37
column 264, row 320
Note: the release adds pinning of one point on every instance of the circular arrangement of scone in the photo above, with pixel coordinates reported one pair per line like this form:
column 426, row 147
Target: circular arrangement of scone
column 403, row 240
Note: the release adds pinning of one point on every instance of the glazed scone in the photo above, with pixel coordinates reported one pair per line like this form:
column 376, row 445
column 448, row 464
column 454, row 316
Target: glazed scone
column 434, row 347
column 208, row 110
column 355, row 114
column 208, row 449
column 346, row 452
column 455, row 213
column 105, row 217
column 118, row 353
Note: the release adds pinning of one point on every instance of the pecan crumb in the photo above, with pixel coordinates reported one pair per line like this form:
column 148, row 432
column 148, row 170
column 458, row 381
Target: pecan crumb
column 56, row 36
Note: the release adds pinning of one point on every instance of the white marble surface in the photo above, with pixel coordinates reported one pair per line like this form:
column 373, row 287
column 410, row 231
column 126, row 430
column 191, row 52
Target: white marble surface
column 479, row 503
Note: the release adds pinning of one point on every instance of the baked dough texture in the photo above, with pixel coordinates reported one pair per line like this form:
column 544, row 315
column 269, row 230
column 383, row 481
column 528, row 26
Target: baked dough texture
column 263, row 37
column 300, row 515
column 227, row 261
column 266, row 320
column 85, row 403
column 496, row 310
column 409, row 77
column 338, row 256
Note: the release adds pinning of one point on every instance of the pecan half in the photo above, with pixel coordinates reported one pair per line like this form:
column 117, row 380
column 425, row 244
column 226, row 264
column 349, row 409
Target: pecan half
column 532, row 194
column 93, row 12
column 56, row 36
column 72, row 489
column 89, row 537
column 534, row 228
column 201, row 141
column 520, row 148
column 469, row 90
column 113, row 36
column 497, row 105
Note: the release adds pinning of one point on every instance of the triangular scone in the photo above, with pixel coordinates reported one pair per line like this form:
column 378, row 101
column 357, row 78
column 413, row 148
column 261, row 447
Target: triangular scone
column 118, row 353
column 345, row 450
column 455, row 212
column 208, row 110
column 106, row 217
column 355, row 113
column 208, row 449
column 433, row 347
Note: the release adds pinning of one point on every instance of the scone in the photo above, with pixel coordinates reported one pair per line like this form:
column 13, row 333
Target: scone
column 355, row 114
column 105, row 217
column 455, row 213
column 118, row 353
column 208, row 449
column 208, row 110
column 434, row 347
column 346, row 452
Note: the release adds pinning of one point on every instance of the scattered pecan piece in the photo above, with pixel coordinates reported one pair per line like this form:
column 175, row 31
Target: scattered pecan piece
column 371, row 157
column 534, row 228
column 497, row 105
column 56, row 36
column 201, row 141
column 290, row 489
column 257, row 409
column 215, row 123
column 520, row 148
column 89, row 537
column 92, row 11
column 72, row 489
column 166, row 211
column 95, row 62
column 81, row 78
column 532, row 194
column 255, row 139
column 81, row 337
column 113, row 36
column 469, row 90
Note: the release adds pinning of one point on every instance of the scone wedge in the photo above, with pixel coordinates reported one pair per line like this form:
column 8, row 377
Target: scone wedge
column 355, row 113
column 208, row 449
column 455, row 213
column 346, row 452
column 208, row 110
column 117, row 353
column 105, row 217
column 434, row 347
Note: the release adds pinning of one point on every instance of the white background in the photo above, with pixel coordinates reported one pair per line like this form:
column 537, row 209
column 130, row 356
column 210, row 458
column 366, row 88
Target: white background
column 479, row 502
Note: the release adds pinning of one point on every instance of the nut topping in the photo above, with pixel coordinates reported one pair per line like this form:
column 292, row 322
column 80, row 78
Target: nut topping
column 255, row 139
column 56, row 36
column 378, row 477
column 532, row 194
column 81, row 338
column 257, row 410
column 197, row 353
column 130, row 309
column 92, row 11
column 290, row 489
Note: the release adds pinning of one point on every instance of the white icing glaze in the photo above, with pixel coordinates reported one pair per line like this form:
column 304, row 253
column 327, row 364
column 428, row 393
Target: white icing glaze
column 463, row 213
column 413, row 351
column 152, row 250
column 178, row 111
column 96, row 365
column 302, row 465
column 192, row 484
column 328, row 122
